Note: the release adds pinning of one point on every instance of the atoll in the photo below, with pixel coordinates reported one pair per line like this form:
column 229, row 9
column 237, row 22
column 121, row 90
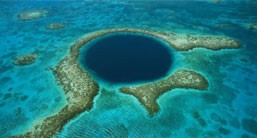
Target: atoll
column 29, row 15
column 54, row 26
column 148, row 94
column 80, row 89
column 23, row 60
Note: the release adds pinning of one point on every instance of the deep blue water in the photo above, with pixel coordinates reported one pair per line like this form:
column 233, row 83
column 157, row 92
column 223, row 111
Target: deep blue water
column 126, row 58
column 226, row 110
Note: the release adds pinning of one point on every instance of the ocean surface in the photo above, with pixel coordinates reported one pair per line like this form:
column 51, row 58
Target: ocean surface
column 226, row 109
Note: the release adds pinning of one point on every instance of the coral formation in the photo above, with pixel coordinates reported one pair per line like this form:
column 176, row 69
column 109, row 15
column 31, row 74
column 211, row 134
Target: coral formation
column 29, row 15
column 253, row 26
column 26, row 59
column 54, row 26
column 147, row 94
column 182, row 42
column 80, row 89
column 187, row 42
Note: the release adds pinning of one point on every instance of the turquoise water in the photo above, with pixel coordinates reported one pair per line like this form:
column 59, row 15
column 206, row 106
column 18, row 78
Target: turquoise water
column 126, row 58
column 224, row 110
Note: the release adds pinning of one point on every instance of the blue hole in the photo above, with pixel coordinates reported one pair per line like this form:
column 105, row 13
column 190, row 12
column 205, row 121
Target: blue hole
column 126, row 58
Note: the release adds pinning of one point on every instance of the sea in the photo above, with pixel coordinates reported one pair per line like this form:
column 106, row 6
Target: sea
column 227, row 109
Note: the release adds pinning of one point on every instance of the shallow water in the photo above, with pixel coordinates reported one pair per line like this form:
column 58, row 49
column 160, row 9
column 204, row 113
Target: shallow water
column 224, row 110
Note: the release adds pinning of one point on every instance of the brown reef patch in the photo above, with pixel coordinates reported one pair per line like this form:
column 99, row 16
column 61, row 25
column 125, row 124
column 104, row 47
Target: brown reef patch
column 54, row 26
column 26, row 59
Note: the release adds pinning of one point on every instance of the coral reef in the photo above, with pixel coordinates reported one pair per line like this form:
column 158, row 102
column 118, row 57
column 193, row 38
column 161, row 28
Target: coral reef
column 187, row 42
column 54, row 26
column 29, row 15
column 23, row 60
column 80, row 89
column 253, row 26
column 182, row 42
column 147, row 94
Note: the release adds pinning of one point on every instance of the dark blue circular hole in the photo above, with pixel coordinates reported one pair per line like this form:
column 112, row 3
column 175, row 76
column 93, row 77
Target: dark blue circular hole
column 126, row 58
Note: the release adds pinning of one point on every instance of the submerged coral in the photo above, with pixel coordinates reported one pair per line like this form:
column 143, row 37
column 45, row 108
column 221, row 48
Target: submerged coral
column 29, row 15
column 23, row 60
column 253, row 26
column 54, row 26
